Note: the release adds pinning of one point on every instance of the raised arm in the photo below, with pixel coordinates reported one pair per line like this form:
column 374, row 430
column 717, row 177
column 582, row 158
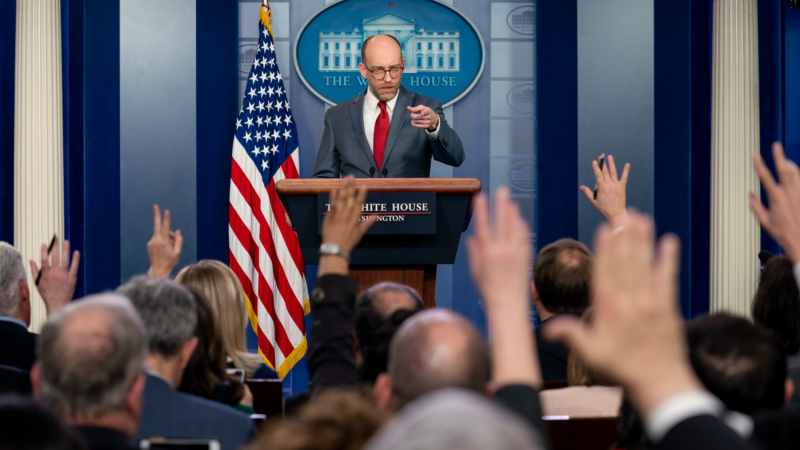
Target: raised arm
column 611, row 196
column 57, row 278
column 165, row 247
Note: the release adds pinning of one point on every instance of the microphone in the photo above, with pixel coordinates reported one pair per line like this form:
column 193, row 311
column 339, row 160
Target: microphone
column 372, row 172
column 385, row 172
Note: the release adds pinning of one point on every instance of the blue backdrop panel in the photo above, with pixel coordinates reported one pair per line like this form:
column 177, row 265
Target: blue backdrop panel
column 791, row 45
column 8, row 14
column 673, row 131
column 770, row 85
column 101, row 143
column 701, row 156
column 557, row 119
column 217, row 92
column 159, row 128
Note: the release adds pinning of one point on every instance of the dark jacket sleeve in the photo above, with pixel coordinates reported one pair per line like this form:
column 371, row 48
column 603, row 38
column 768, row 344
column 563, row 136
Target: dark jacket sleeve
column 331, row 360
column 327, row 164
column 703, row 432
column 524, row 401
column 447, row 147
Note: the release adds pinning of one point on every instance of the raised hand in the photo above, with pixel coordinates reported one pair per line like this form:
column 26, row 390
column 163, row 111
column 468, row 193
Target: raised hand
column 500, row 260
column 342, row 225
column 59, row 277
column 424, row 117
column 782, row 219
column 611, row 196
column 637, row 339
column 164, row 248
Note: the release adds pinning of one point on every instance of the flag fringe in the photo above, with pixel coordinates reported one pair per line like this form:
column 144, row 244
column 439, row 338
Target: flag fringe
column 266, row 13
column 293, row 357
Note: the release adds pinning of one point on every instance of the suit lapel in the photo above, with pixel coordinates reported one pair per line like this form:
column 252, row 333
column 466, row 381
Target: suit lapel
column 399, row 117
column 357, row 116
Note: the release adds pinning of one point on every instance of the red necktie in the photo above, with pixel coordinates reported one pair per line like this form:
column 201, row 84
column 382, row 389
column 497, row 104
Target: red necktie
column 381, row 132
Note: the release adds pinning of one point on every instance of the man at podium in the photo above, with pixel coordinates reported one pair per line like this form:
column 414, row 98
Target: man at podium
column 386, row 131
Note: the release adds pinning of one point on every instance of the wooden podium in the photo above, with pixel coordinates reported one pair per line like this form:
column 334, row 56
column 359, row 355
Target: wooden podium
column 404, row 258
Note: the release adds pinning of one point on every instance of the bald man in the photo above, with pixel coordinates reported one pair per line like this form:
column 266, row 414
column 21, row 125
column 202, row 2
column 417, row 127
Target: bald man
column 432, row 350
column 386, row 131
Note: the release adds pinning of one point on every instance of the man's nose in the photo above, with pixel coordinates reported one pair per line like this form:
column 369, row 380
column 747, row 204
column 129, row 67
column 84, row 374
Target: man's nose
column 387, row 75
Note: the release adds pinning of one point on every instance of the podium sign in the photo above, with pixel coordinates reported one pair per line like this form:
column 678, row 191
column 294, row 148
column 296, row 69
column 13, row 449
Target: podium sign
column 398, row 212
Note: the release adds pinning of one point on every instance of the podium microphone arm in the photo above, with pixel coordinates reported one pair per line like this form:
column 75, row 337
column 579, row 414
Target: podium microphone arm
column 385, row 172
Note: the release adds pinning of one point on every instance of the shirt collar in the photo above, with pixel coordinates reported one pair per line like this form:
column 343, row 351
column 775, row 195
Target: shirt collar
column 372, row 101
column 13, row 320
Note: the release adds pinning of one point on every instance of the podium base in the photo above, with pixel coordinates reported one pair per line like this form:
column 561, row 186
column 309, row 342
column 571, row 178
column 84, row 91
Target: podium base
column 421, row 278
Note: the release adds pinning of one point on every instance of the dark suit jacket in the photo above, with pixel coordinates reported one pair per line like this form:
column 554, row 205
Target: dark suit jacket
column 552, row 357
column 17, row 346
column 172, row 414
column 345, row 150
column 702, row 433
column 331, row 358
column 97, row 438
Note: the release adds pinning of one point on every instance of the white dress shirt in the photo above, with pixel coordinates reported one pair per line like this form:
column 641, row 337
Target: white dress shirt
column 372, row 111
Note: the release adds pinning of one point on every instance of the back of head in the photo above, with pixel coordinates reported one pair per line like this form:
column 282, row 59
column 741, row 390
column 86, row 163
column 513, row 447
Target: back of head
column 206, row 367
column 90, row 353
column 380, row 310
column 455, row 420
column 776, row 304
column 562, row 275
column 739, row 362
column 436, row 349
column 12, row 270
column 334, row 420
column 225, row 295
column 27, row 425
column 168, row 311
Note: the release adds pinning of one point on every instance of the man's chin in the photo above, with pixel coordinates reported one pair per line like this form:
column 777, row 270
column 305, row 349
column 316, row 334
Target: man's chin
column 385, row 96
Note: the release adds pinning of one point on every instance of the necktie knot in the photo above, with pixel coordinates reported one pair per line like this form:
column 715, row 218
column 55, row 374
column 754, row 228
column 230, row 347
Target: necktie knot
column 382, row 106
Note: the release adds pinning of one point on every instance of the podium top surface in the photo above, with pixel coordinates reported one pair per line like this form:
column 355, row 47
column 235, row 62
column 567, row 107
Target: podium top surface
column 441, row 186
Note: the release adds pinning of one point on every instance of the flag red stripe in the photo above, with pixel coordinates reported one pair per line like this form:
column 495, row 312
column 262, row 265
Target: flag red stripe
column 264, row 292
column 248, row 192
column 289, row 236
column 265, row 345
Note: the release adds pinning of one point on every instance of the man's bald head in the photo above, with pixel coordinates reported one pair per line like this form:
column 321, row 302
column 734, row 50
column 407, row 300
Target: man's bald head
column 91, row 352
column 381, row 44
column 436, row 349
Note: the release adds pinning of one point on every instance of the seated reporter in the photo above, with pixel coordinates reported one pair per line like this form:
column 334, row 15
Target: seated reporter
column 56, row 284
column 206, row 373
column 638, row 339
column 169, row 314
column 217, row 282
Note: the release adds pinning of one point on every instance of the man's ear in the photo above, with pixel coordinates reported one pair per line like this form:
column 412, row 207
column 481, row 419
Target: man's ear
column 133, row 401
column 187, row 350
column 36, row 380
column 363, row 69
column 788, row 390
column 383, row 392
column 24, row 310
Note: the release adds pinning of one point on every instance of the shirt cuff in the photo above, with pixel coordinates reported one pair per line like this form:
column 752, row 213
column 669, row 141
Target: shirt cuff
column 679, row 408
column 796, row 271
column 435, row 133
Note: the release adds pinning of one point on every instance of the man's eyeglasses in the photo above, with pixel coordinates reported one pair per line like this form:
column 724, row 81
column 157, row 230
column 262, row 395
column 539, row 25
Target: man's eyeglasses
column 380, row 72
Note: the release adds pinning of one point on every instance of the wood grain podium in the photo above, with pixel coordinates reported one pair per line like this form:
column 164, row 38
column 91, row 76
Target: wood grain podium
column 404, row 258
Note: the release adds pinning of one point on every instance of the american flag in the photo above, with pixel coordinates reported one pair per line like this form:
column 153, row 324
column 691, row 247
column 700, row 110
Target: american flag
column 264, row 251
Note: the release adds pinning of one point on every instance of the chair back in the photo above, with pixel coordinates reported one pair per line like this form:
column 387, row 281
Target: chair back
column 598, row 433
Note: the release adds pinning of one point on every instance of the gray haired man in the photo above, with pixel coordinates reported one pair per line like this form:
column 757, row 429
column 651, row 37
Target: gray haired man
column 90, row 369
column 169, row 313
column 56, row 278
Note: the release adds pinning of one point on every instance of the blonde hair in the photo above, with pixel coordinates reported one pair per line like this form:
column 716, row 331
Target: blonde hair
column 578, row 373
column 226, row 296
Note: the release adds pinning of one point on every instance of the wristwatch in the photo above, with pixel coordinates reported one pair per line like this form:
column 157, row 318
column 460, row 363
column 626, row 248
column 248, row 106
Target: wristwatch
column 333, row 249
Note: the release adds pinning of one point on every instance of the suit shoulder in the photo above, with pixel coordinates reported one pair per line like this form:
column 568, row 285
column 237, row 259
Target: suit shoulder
column 211, row 407
column 341, row 108
column 419, row 99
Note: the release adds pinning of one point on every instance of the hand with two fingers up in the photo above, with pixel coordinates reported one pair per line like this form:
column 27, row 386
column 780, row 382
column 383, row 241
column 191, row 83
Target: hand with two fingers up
column 164, row 248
